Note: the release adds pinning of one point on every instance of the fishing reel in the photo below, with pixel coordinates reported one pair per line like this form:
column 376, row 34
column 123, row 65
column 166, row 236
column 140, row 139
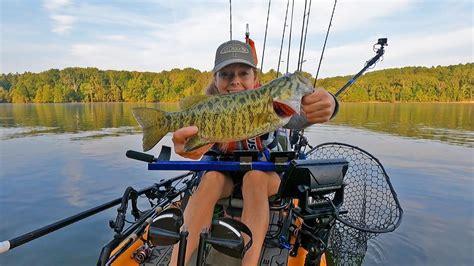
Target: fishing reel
column 299, row 142
column 142, row 254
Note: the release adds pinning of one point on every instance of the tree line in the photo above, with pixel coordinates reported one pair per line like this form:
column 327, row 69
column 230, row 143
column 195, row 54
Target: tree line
column 408, row 84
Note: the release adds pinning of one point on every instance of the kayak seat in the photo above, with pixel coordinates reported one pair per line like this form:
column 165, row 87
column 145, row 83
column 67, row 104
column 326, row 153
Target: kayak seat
column 233, row 206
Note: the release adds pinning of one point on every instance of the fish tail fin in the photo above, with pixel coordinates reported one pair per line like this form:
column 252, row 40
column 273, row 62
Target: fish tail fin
column 153, row 130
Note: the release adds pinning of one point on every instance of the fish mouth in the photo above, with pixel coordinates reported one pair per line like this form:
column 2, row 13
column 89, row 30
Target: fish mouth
column 284, row 109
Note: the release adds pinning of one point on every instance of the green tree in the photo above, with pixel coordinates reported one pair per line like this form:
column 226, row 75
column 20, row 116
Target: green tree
column 4, row 95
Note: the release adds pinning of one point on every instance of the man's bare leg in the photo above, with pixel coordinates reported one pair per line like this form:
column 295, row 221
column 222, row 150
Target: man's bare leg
column 257, row 186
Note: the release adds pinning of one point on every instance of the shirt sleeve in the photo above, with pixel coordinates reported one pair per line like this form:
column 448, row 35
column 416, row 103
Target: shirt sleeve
column 300, row 122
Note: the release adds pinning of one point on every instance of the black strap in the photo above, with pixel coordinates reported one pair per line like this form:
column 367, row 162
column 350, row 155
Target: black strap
column 274, row 142
column 336, row 108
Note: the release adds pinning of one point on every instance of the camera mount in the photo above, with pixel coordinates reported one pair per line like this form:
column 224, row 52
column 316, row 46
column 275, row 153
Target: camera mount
column 381, row 43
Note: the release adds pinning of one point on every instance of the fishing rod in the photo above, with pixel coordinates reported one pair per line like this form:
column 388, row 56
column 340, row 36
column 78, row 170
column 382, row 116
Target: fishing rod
column 298, row 67
column 381, row 43
column 305, row 34
column 324, row 45
column 25, row 238
column 289, row 38
column 230, row 19
column 297, row 138
column 282, row 37
column 143, row 221
column 265, row 38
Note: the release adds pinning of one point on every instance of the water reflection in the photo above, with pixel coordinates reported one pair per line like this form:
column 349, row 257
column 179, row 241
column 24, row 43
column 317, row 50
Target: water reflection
column 446, row 122
column 55, row 175
column 452, row 123
column 71, row 185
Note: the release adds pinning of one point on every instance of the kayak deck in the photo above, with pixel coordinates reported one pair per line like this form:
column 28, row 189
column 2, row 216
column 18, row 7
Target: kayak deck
column 161, row 256
column 272, row 254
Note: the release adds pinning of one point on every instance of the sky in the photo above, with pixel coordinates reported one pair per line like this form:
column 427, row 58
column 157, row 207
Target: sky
column 154, row 35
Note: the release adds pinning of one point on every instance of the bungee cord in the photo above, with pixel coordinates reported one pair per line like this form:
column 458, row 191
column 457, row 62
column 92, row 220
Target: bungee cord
column 282, row 37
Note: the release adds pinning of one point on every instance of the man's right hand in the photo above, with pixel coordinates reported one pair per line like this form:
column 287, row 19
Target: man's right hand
column 180, row 137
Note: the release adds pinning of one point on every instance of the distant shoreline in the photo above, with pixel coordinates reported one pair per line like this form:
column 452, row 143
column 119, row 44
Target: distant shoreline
column 460, row 102
column 408, row 84
column 472, row 101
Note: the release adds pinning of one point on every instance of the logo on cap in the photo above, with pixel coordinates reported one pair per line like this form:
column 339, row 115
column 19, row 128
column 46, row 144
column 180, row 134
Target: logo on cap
column 234, row 48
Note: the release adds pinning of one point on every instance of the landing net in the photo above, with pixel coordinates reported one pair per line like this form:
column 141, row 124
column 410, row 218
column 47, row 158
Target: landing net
column 370, row 201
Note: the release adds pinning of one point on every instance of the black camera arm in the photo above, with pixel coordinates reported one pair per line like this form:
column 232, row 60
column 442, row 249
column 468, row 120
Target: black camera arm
column 381, row 43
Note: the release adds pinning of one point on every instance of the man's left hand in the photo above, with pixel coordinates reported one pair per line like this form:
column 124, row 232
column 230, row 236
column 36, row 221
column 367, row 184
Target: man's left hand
column 318, row 106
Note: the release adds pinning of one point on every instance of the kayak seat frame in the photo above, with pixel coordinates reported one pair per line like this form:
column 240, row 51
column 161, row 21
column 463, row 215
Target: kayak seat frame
column 302, row 180
column 234, row 204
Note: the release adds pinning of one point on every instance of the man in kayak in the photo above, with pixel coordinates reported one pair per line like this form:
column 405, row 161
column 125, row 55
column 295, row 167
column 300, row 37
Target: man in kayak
column 234, row 74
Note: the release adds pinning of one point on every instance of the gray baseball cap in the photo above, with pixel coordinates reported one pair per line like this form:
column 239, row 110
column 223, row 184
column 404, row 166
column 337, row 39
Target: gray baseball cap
column 233, row 52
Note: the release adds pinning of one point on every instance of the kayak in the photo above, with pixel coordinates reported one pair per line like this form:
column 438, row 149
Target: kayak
column 161, row 255
column 307, row 216
column 332, row 200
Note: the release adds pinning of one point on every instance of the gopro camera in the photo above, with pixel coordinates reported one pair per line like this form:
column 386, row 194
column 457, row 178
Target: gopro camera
column 382, row 41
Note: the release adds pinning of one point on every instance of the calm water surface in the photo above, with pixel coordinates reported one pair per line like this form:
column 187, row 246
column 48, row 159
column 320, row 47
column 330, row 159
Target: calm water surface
column 59, row 159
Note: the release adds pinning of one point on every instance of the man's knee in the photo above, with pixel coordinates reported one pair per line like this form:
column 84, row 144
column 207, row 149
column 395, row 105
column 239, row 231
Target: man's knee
column 213, row 178
column 266, row 183
column 254, row 181
column 216, row 184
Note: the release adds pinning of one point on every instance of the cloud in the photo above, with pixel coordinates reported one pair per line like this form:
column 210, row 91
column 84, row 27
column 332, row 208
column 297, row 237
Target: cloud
column 55, row 4
column 114, row 37
column 354, row 14
column 429, row 49
column 62, row 23
column 161, row 35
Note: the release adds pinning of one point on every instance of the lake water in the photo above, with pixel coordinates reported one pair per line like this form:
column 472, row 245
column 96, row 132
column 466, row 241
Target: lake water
column 60, row 159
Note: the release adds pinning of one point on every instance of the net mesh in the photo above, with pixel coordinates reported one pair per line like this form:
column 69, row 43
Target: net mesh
column 371, row 203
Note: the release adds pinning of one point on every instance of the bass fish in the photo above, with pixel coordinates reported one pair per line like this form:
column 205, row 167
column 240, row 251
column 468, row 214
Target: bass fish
column 227, row 117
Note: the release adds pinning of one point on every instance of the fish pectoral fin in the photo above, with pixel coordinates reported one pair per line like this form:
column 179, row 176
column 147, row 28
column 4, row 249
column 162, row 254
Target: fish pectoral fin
column 283, row 110
column 192, row 100
column 194, row 143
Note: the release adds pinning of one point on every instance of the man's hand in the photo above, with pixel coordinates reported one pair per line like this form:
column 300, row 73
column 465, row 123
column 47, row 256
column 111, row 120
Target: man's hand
column 180, row 137
column 318, row 106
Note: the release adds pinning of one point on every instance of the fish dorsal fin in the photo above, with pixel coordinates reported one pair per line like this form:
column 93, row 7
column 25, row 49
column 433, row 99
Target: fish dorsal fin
column 192, row 100
column 168, row 106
